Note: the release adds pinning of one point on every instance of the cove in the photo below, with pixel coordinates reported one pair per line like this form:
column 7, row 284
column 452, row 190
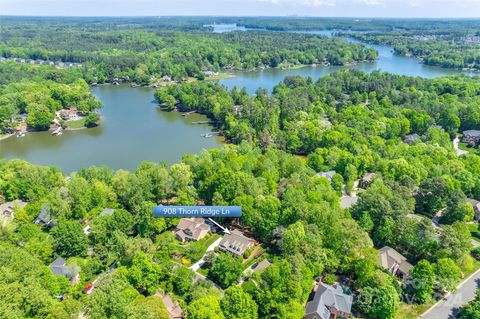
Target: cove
column 133, row 129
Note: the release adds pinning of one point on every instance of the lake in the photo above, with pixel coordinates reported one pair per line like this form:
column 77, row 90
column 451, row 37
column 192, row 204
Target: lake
column 387, row 61
column 133, row 129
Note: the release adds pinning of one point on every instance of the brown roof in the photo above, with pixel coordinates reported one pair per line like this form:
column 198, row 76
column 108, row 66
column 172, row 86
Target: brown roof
column 192, row 228
column 391, row 259
column 173, row 309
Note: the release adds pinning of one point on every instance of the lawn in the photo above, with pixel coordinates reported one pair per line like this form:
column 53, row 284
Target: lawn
column 76, row 124
column 196, row 249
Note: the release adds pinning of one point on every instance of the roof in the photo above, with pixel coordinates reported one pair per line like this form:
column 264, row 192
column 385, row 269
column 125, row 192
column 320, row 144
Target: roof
column 475, row 203
column 45, row 214
column 173, row 308
column 368, row 177
column 59, row 268
column 327, row 297
column 7, row 208
column 107, row 211
column 389, row 258
column 194, row 228
column 328, row 175
column 411, row 137
column 474, row 133
column 236, row 242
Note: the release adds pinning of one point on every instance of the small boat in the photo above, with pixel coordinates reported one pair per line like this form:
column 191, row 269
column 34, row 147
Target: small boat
column 207, row 135
column 20, row 134
column 57, row 132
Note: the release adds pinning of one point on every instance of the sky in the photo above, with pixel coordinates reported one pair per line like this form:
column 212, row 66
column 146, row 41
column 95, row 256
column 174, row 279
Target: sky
column 320, row 8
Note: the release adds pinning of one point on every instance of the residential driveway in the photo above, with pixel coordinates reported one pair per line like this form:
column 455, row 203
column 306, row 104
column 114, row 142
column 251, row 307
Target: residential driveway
column 447, row 309
column 199, row 263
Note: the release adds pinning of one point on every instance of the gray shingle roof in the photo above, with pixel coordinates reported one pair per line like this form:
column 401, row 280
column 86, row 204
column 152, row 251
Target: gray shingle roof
column 328, row 297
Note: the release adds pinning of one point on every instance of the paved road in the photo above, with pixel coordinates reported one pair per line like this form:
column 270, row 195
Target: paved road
column 446, row 309
column 197, row 265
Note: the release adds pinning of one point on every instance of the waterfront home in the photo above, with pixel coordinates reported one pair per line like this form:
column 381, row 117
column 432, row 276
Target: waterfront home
column 394, row 262
column 476, row 207
column 328, row 175
column 59, row 268
column 411, row 138
column 472, row 137
column 329, row 302
column 166, row 78
column 68, row 114
column 60, row 64
column 211, row 73
column 236, row 243
column 191, row 229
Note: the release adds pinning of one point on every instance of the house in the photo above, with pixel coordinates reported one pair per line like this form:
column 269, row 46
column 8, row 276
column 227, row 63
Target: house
column 211, row 73
column 45, row 216
column 191, row 229
column 472, row 137
column 328, row 175
column 476, row 207
column 173, row 309
column 236, row 243
column 60, row 64
column 329, row 302
column 367, row 179
column 59, row 268
column 166, row 78
column 107, row 211
column 7, row 210
column 68, row 114
column 394, row 262
column 411, row 138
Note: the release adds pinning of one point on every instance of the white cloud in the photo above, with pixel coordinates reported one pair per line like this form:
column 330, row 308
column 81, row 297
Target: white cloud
column 372, row 3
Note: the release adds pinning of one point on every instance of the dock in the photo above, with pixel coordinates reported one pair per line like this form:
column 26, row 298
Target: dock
column 188, row 113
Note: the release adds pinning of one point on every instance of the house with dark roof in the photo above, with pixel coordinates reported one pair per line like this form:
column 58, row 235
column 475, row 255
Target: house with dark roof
column 329, row 302
column 471, row 137
column 411, row 138
column 59, row 268
column 394, row 262
column 191, row 229
column 45, row 216
column 236, row 243
column 476, row 207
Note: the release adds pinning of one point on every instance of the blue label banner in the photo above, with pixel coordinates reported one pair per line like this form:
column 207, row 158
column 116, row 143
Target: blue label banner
column 197, row 211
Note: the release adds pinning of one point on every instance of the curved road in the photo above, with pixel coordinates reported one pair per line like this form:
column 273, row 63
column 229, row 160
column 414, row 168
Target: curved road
column 447, row 309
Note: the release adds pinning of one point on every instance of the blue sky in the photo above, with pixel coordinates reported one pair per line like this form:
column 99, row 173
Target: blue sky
column 328, row 8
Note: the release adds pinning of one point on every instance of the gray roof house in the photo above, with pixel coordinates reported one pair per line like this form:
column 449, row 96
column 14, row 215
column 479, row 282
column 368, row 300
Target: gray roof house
column 45, row 216
column 472, row 137
column 476, row 207
column 394, row 262
column 107, row 211
column 328, row 175
column 329, row 303
column 191, row 229
column 235, row 243
column 59, row 268
column 411, row 138
column 367, row 179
